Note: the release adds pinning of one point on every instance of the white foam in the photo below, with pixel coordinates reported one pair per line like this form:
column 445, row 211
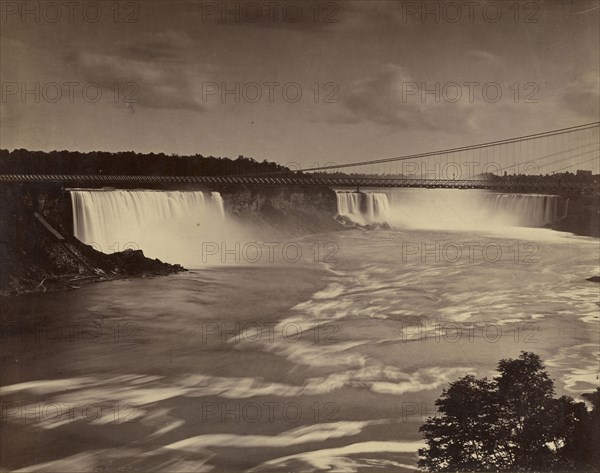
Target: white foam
column 307, row 434
column 335, row 459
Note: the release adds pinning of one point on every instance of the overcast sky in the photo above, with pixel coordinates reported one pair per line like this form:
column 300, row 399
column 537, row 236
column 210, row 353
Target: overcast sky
column 369, row 60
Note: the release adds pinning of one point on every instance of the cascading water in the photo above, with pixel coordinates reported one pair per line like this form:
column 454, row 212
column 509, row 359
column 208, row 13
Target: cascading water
column 170, row 225
column 449, row 209
column 528, row 210
column 219, row 202
column 363, row 208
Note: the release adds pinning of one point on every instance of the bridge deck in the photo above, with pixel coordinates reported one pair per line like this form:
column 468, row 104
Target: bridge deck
column 524, row 186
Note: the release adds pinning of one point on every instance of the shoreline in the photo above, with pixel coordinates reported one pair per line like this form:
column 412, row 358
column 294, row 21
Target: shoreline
column 62, row 266
column 63, row 284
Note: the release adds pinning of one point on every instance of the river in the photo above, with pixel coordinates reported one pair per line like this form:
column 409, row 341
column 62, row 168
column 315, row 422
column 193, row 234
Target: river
column 324, row 353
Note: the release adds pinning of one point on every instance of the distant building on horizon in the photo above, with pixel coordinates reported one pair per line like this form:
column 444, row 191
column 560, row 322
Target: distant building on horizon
column 583, row 172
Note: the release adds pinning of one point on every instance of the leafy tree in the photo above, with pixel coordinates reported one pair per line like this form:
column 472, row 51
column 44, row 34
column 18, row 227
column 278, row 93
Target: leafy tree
column 512, row 423
column 592, row 432
column 22, row 161
column 463, row 440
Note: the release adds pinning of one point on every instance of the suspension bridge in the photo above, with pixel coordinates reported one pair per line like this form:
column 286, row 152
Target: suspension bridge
column 541, row 162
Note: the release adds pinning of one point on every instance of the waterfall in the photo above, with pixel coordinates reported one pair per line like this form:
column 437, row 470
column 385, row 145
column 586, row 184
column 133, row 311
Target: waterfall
column 450, row 209
column 170, row 225
column 529, row 210
column 219, row 203
column 363, row 208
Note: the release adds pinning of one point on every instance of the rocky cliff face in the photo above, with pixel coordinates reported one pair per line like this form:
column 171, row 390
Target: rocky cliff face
column 583, row 216
column 291, row 211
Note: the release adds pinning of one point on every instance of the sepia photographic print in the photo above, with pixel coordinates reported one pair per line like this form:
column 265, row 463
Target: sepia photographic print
column 350, row 236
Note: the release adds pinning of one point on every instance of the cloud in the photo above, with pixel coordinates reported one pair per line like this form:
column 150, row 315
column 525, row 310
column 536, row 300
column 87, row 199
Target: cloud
column 159, row 66
column 582, row 95
column 304, row 16
column 393, row 97
column 485, row 58
column 157, row 46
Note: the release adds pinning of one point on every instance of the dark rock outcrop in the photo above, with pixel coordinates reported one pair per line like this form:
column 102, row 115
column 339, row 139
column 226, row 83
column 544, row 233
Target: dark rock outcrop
column 33, row 259
column 583, row 215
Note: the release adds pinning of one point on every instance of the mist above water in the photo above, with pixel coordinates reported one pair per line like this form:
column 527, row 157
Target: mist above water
column 450, row 209
column 179, row 227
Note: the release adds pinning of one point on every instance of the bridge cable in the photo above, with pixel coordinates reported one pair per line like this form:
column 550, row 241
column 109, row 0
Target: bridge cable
column 560, row 131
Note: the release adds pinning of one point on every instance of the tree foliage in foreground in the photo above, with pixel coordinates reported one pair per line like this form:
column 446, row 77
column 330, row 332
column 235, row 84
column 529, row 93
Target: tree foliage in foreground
column 511, row 423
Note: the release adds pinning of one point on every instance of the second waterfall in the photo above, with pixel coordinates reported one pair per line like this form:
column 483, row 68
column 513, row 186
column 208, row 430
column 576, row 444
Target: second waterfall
column 364, row 208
